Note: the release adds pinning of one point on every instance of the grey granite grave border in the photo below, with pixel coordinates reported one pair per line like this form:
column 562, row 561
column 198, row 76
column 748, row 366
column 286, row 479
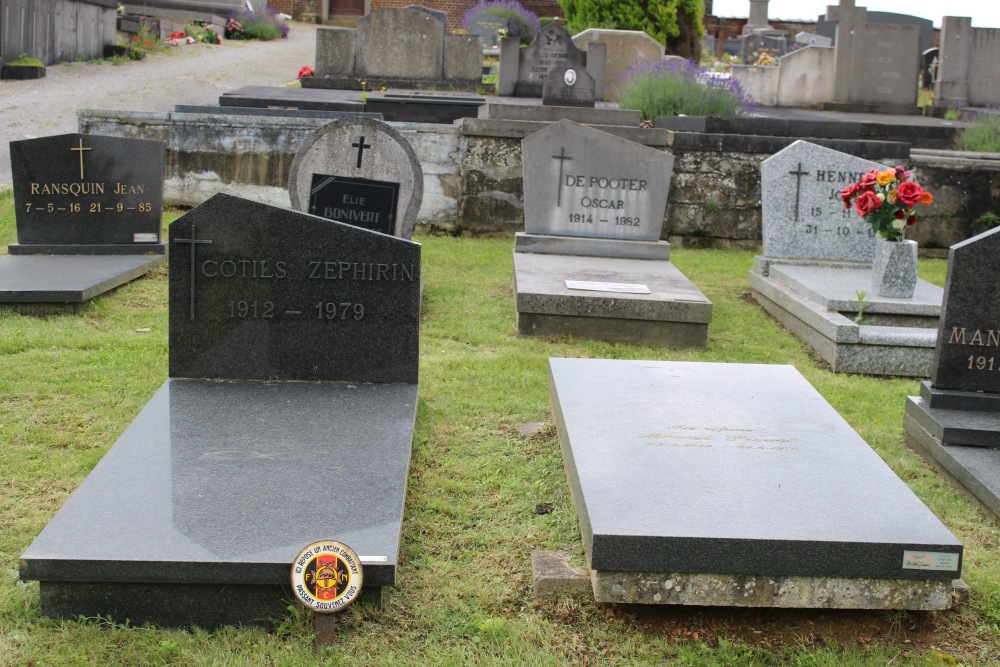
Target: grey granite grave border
column 69, row 278
column 848, row 347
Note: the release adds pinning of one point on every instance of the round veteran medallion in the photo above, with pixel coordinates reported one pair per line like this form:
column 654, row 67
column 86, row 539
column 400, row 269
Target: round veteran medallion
column 326, row 576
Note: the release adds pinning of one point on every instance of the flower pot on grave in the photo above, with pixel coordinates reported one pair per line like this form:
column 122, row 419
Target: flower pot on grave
column 894, row 271
column 22, row 72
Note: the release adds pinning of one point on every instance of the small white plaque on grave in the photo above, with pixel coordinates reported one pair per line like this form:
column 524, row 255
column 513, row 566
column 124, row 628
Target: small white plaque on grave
column 930, row 560
column 593, row 286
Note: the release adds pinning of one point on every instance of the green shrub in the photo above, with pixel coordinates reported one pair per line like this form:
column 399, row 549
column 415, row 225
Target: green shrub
column 982, row 135
column 674, row 23
column 26, row 61
column 674, row 88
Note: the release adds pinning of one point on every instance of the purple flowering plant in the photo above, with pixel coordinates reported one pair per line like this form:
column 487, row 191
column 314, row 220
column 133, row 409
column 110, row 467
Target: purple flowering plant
column 676, row 87
column 521, row 23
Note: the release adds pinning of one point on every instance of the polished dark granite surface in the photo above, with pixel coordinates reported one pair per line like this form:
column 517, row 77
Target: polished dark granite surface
column 732, row 468
column 225, row 482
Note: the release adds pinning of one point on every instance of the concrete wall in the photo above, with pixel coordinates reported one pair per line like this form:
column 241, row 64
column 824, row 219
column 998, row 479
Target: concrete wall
column 969, row 73
column 473, row 178
column 803, row 78
column 56, row 30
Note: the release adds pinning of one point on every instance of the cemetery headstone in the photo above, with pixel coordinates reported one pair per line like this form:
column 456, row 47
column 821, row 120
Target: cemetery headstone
column 803, row 215
column 569, row 87
column 486, row 26
column 400, row 43
column 886, row 64
column 590, row 263
column 743, row 437
column 88, row 190
column 756, row 45
column 87, row 210
column 623, row 49
column 811, row 39
column 955, row 421
column 579, row 181
column 552, row 47
column 293, row 367
column 373, row 157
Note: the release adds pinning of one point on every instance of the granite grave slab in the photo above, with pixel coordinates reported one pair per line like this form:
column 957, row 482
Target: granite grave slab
column 362, row 149
column 287, row 417
column 87, row 210
column 444, row 108
column 955, row 421
column 591, row 263
column 731, row 439
column 815, row 276
column 302, row 99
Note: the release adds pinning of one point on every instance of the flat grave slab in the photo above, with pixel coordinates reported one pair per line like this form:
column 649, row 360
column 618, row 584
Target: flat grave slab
column 287, row 418
column 217, row 482
column 272, row 113
column 424, row 108
column 740, row 474
column 674, row 312
column 68, row 278
column 278, row 97
column 955, row 421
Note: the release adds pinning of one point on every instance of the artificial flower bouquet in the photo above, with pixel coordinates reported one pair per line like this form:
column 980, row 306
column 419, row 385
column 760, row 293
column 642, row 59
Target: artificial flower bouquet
column 886, row 200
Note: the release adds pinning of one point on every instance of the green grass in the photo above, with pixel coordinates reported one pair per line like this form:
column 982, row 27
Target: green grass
column 982, row 134
column 70, row 382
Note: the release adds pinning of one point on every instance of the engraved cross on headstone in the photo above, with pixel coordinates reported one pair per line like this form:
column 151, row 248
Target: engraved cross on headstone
column 194, row 241
column 798, row 174
column 562, row 160
column 80, row 149
column 361, row 146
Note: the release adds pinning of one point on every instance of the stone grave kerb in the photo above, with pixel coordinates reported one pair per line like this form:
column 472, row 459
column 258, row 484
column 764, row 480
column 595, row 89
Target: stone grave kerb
column 360, row 148
column 264, row 293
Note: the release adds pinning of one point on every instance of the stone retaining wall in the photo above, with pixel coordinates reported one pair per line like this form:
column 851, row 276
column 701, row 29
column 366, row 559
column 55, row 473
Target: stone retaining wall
column 472, row 172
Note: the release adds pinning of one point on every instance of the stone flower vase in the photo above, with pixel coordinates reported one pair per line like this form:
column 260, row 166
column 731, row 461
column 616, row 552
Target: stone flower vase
column 894, row 272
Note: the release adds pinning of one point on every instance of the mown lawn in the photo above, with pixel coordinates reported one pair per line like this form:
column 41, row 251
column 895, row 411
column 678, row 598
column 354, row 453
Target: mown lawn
column 71, row 381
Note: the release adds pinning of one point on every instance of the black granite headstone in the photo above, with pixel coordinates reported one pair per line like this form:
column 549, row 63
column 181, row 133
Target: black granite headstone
column 552, row 47
column 360, row 202
column 196, row 513
column 87, row 190
column 967, row 357
column 486, row 25
column 569, row 87
column 288, row 296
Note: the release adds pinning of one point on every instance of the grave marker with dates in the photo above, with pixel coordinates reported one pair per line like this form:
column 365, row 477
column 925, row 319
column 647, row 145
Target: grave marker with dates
column 88, row 212
column 287, row 419
column 803, row 215
column 955, row 421
column 87, row 189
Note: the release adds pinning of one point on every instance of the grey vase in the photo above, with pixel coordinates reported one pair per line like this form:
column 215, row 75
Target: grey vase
column 894, row 271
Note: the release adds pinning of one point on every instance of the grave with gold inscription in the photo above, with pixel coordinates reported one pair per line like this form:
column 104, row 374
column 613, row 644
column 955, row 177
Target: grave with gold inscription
column 287, row 419
column 738, row 485
column 955, row 421
column 590, row 263
column 88, row 217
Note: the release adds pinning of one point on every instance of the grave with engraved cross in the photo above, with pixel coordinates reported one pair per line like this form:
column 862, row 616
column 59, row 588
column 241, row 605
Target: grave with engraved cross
column 88, row 211
column 815, row 274
column 590, row 263
column 287, row 418
column 362, row 172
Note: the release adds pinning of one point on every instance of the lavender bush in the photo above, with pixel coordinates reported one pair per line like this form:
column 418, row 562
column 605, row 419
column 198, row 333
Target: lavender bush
column 679, row 87
column 521, row 23
column 262, row 23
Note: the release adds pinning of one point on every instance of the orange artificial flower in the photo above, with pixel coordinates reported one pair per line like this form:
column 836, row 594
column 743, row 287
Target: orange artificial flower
column 926, row 198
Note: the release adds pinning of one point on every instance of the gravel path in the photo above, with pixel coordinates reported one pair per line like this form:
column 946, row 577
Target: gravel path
column 188, row 74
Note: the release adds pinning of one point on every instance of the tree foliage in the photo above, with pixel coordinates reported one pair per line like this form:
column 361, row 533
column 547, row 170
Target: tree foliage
column 676, row 24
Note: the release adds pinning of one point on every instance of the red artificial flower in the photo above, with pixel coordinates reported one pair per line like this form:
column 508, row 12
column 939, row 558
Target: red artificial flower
column 869, row 178
column 866, row 203
column 849, row 192
column 899, row 214
column 306, row 71
column 909, row 193
column 911, row 220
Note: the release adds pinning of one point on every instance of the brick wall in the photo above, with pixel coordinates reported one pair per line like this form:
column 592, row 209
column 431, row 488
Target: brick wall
column 296, row 8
